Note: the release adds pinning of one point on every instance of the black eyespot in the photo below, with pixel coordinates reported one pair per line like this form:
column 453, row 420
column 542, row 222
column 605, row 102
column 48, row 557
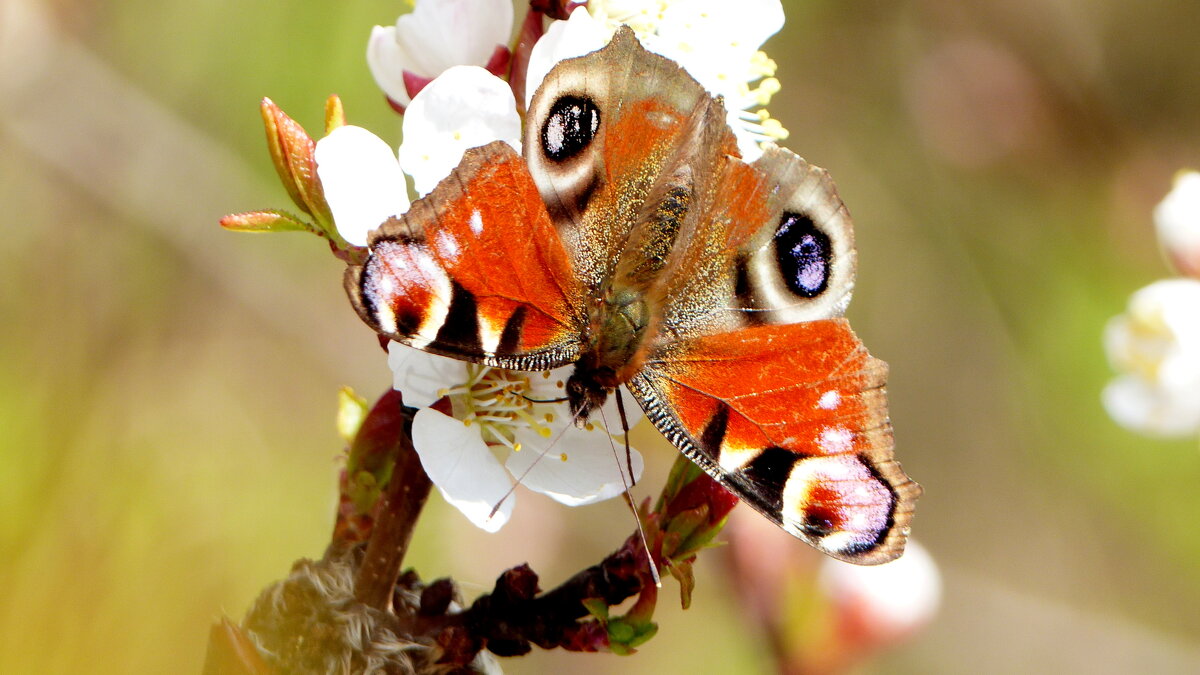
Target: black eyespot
column 804, row 255
column 570, row 127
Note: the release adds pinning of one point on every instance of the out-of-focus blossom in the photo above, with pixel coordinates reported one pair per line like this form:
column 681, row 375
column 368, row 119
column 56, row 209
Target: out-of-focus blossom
column 504, row 427
column 881, row 604
column 1155, row 346
column 465, row 107
column 363, row 183
column 824, row 615
column 717, row 42
column 435, row 36
column 1177, row 219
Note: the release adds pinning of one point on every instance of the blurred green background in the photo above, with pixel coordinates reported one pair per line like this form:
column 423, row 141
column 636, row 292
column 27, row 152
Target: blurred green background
column 167, row 389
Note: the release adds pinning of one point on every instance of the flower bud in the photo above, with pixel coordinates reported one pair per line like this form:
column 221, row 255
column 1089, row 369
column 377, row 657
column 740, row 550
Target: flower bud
column 291, row 151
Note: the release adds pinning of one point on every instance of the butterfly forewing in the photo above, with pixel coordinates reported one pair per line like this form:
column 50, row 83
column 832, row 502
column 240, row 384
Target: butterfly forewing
column 475, row 271
column 602, row 135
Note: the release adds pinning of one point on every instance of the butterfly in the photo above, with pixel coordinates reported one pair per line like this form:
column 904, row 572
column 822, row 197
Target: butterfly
column 632, row 241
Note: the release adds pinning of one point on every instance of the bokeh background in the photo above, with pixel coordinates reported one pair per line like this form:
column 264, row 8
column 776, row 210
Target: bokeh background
column 167, row 389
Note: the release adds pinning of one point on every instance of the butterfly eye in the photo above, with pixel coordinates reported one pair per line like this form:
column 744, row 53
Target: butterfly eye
column 803, row 253
column 570, row 127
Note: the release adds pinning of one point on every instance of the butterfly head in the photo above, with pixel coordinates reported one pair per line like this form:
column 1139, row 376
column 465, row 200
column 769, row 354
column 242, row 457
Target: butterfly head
column 586, row 391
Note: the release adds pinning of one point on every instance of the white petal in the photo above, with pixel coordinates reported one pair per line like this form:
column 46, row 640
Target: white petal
column 1145, row 408
column 465, row 107
column 387, row 62
column 896, row 596
column 1159, row 336
column 363, row 183
column 578, row 35
column 747, row 141
column 440, row 34
column 421, row 376
column 718, row 25
column 611, row 416
column 463, row 468
column 1177, row 219
column 583, row 467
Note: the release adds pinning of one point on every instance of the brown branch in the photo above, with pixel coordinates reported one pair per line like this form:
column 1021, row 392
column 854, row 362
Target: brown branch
column 396, row 516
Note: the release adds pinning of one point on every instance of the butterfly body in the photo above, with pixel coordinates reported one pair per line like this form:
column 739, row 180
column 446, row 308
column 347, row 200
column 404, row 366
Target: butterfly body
column 632, row 241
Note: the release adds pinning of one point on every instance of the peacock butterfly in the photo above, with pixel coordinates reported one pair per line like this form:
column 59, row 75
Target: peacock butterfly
column 633, row 241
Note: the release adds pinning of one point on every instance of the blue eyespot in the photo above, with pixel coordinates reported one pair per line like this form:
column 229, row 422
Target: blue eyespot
column 804, row 255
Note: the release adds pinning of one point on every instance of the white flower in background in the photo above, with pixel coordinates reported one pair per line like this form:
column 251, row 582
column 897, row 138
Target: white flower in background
column 363, row 184
column 884, row 602
column 1177, row 219
column 465, row 107
column 498, row 436
column 718, row 43
column 435, row 36
column 1155, row 346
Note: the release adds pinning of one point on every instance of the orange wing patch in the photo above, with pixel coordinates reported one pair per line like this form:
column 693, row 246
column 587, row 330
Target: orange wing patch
column 794, row 419
column 475, row 270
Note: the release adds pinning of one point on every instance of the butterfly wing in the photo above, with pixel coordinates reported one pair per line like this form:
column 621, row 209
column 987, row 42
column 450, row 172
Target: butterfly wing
column 793, row 419
column 754, row 378
column 475, row 271
column 606, row 137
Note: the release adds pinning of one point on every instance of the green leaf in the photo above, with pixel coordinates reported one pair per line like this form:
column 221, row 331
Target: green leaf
column 597, row 608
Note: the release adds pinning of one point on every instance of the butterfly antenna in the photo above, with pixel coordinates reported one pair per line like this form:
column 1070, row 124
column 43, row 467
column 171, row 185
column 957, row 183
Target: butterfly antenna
column 626, row 482
column 563, row 399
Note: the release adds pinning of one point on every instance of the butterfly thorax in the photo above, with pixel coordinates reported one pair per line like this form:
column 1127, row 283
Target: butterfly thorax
column 614, row 350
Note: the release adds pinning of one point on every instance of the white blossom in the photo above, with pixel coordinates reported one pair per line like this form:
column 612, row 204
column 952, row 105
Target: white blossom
column 1155, row 347
column 1177, row 219
column 507, row 427
column 435, row 36
column 718, row 43
column 465, row 107
column 891, row 599
column 363, row 184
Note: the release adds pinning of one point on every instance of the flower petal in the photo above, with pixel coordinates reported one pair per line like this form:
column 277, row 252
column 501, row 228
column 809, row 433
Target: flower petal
column 465, row 107
column 1177, row 219
column 445, row 33
column 435, row 36
column 578, row 35
column 718, row 26
column 583, row 467
column 363, row 183
column 1147, row 408
column 386, row 60
column 421, row 376
column 890, row 599
column 463, row 468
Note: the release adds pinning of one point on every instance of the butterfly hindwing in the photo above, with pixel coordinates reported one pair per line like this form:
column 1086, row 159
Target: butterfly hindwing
column 475, row 271
column 793, row 419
